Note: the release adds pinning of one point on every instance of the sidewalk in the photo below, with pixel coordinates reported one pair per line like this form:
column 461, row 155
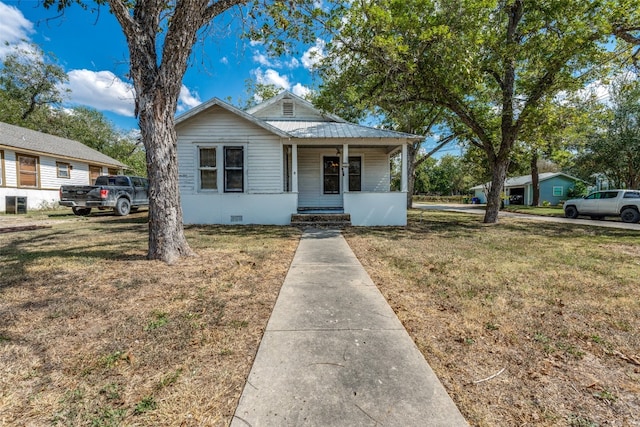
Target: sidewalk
column 335, row 354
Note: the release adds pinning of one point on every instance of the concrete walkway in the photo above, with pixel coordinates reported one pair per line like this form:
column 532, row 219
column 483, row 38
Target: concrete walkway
column 335, row 354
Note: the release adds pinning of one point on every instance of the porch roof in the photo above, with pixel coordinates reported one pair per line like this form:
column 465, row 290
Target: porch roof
column 327, row 130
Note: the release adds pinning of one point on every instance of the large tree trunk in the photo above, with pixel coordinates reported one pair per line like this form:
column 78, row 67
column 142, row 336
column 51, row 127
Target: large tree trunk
column 494, row 198
column 535, row 178
column 167, row 241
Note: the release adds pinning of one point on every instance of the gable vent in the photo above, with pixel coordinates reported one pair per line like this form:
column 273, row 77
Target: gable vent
column 287, row 108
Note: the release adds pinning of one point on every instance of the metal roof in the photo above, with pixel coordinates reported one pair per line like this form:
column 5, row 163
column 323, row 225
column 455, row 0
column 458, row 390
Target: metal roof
column 326, row 130
column 522, row 181
column 26, row 139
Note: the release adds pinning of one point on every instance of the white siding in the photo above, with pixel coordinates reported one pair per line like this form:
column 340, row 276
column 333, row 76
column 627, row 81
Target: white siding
column 300, row 112
column 218, row 126
column 376, row 176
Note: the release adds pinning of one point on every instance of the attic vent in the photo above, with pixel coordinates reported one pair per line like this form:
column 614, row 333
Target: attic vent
column 236, row 218
column 287, row 108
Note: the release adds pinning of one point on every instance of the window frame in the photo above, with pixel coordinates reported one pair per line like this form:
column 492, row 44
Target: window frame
column 359, row 174
column 558, row 191
column 19, row 171
column 213, row 169
column 227, row 168
column 66, row 166
column 2, row 176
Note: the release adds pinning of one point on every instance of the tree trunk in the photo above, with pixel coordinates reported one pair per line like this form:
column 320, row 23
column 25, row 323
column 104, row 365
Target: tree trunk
column 494, row 199
column 167, row 241
column 535, row 178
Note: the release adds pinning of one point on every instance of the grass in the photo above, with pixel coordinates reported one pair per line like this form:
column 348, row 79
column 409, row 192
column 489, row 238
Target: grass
column 555, row 305
column 556, row 211
column 91, row 333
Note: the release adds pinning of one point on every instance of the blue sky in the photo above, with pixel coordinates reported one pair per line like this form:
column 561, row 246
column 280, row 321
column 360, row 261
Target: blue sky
column 92, row 50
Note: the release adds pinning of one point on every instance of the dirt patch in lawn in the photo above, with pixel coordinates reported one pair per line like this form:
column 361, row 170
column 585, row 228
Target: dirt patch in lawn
column 525, row 323
column 91, row 333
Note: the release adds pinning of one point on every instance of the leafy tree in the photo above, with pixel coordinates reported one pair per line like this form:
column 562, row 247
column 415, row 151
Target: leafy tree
column 29, row 80
column 615, row 151
column 160, row 36
column 488, row 63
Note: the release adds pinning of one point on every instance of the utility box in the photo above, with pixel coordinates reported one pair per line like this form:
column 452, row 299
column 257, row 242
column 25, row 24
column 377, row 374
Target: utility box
column 15, row 205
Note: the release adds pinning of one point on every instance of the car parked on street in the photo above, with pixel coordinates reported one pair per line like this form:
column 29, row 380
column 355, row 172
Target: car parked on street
column 600, row 204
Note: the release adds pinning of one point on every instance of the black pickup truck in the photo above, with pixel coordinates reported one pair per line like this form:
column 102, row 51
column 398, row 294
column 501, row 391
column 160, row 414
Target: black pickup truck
column 121, row 193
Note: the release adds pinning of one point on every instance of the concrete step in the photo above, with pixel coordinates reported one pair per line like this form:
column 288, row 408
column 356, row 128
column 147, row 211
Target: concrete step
column 321, row 220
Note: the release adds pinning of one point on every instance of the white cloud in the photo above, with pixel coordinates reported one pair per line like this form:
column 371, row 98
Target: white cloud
column 224, row 60
column 14, row 31
column 187, row 99
column 300, row 90
column 313, row 55
column 293, row 63
column 262, row 59
column 101, row 90
column 272, row 77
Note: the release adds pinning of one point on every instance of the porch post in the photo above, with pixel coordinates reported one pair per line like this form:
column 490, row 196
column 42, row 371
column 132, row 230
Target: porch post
column 345, row 168
column 294, row 168
column 405, row 169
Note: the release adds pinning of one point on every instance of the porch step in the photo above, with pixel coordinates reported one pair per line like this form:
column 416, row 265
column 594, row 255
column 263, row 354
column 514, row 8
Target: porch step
column 321, row 220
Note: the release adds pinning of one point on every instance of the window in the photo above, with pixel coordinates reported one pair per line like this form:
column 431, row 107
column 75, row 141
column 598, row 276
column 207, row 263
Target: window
column 208, row 169
column 558, row 191
column 331, row 166
column 94, row 173
column 64, row 170
column 632, row 195
column 233, row 169
column 27, row 171
column 355, row 173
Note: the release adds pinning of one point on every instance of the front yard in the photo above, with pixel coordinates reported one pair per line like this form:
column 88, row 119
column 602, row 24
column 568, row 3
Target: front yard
column 91, row 333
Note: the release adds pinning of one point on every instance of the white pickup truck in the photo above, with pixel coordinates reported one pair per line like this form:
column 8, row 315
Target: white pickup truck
column 622, row 203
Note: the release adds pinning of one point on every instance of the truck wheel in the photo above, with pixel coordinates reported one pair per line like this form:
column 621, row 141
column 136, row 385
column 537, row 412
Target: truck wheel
column 630, row 215
column 571, row 212
column 123, row 207
column 81, row 211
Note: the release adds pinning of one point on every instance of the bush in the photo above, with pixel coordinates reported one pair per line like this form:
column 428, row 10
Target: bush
column 578, row 190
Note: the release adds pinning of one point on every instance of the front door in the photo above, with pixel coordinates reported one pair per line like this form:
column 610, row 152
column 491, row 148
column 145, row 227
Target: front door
column 319, row 179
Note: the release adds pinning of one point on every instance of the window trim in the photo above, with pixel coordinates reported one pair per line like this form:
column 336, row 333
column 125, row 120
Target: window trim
column 19, row 171
column 3, row 181
column 67, row 166
column 555, row 192
column 359, row 157
column 233, row 168
column 207, row 168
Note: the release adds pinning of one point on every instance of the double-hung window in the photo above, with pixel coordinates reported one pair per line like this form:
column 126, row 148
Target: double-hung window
column 27, row 171
column 355, row 173
column 63, row 170
column 208, row 169
column 233, row 169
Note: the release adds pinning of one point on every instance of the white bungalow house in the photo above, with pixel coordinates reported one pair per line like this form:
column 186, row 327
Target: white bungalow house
column 285, row 157
column 33, row 166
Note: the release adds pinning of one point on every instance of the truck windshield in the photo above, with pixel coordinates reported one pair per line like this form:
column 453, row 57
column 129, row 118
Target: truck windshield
column 112, row 180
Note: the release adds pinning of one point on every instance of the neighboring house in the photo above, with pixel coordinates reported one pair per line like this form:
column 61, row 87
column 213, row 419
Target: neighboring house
column 519, row 190
column 285, row 157
column 33, row 165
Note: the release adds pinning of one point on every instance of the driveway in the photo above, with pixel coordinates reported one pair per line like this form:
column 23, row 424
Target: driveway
column 479, row 210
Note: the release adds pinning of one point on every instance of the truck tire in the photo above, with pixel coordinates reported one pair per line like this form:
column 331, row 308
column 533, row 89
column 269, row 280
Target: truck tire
column 571, row 212
column 81, row 211
column 630, row 215
column 123, row 207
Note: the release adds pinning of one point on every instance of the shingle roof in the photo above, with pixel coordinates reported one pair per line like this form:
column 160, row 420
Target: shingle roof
column 303, row 129
column 31, row 140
